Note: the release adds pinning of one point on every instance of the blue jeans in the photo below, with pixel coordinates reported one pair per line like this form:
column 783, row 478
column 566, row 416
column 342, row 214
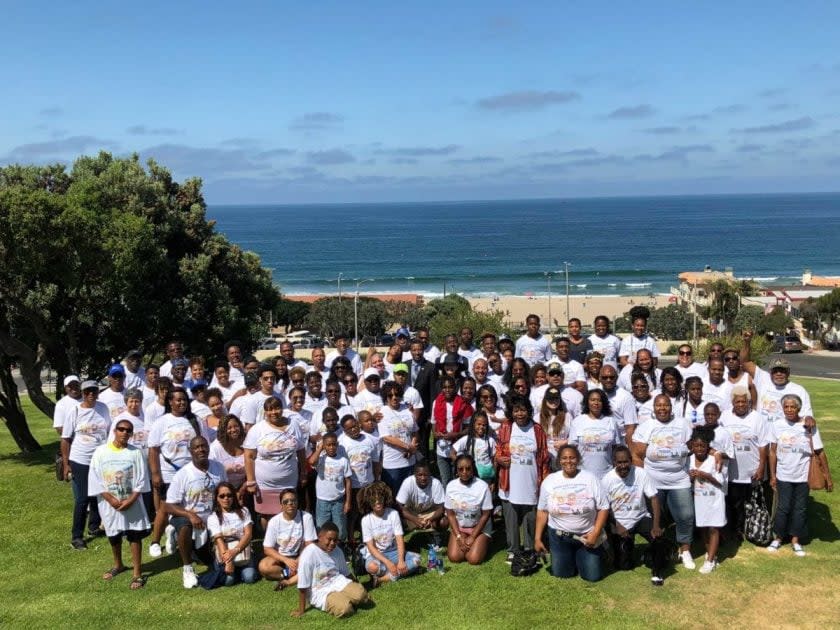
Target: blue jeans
column 569, row 556
column 377, row 568
column 680, row 504
column 84, row 507
column 246, row 575
column 395, row 476
column 332, row 511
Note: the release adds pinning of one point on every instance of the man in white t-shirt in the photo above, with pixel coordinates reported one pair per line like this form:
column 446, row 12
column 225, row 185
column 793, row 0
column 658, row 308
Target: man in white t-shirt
column 420, row 502
column 287, row 351
column 114, row 395
column 71, row 399
column 189, row 502
column 629, row 489
column 343, row 349
column 572, row 398
column 135, row 375
column 324, row 579
column 466, row 348
column 621, row 402
column 411, row 396
column 532, row 346
column 174, row 350
column 430, row 351
column 574, row 374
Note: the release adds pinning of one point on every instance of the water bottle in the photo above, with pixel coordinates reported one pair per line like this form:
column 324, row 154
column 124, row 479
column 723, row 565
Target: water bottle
column 432, row 562
column 440, row 568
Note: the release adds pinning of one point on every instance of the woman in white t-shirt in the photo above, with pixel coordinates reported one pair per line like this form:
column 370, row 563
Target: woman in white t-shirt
column 230, row 528
column 791, row 445
column 468, row 504
column 286, row 535
column 386, row 559
column 595, row 433
column 274, row 458
column 488, row 402
column 398, row 431
column 574, row 508
column 661, row 447
column 592, row 368
column 555, row 422
column 227, row 449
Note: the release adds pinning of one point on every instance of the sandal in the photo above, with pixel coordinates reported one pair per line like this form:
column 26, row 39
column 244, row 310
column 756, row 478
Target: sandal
column 137, row 583
column 111, row 573
column 280, row 586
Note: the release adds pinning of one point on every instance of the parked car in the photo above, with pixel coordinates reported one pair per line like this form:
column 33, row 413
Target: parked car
column 267, row 343
column 382, row 340
column 786, row 343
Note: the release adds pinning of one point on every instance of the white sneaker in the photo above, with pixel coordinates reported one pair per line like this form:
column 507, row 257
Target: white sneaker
column 798, row 550
column 169, row 537
column 155, row 551
column 774, row 546
column 190, row 578
column 687, row 560
column 708, row 566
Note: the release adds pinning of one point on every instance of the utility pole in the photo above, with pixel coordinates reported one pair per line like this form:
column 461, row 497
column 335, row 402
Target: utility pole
column 547, row 275
column 567, row 265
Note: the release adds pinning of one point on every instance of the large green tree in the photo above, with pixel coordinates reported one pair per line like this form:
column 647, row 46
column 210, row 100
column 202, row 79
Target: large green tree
column 330, row 316
column 110, row 256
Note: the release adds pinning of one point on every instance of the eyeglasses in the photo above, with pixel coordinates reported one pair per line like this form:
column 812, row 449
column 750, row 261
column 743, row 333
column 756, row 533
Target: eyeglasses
column 289, row 502
column 124, row 429
column 226, row 496
column 685, row 353
column 731, row 358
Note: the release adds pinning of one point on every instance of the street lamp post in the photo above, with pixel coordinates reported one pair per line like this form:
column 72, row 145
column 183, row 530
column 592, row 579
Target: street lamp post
column 339, row 287
column 567, row 265
column 356, row 309
column 547, row 275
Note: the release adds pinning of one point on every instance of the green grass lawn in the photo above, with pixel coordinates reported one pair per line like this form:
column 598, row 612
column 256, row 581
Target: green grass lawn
column 43, row 582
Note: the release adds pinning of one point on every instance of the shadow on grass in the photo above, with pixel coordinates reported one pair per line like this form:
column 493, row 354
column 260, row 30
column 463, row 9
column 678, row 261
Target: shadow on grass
column 44, row 457
column 820, row 523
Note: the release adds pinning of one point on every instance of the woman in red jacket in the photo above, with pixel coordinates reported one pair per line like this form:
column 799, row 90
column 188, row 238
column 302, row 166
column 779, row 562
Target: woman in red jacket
column 524, row 461
column 451, row 414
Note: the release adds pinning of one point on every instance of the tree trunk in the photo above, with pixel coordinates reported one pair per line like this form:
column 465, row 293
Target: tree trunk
column 30, row 363
column 12, row 411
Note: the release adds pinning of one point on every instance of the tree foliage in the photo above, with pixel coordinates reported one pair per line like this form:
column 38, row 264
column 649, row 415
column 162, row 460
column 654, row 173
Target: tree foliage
column 776, row 321
column 726, row 299
column 749, row 318
column 111, row 256
column 452, row 313
column 828, row 308
column 291, row 313
column 407, row 314
column 674, row 321
column 329, row 316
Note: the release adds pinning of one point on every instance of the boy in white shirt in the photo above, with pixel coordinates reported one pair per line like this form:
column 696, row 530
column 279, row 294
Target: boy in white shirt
column 324, row 579
column 332, row 484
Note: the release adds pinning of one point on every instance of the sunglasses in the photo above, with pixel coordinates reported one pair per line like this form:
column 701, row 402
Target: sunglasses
column 225, row 496
column 289, row 502
column 685, row 353
column 730, row 358
column 124, row 429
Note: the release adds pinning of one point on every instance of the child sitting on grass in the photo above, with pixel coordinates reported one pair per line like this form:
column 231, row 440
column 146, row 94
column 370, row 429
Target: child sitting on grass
column 709, row 498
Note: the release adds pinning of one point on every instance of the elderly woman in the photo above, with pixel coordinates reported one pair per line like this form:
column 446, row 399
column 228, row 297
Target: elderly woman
column 118, row 479
column 661, row 447
column 139, row 436
column 574, row 507
column 274, row 459
column 791, row 445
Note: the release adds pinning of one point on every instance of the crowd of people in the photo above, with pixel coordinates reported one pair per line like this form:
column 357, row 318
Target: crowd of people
column 572, row 447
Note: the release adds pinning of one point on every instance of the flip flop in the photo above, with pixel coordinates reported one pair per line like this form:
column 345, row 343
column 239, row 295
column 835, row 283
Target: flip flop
column 280, row 586
column 137, row 583
column 111, row 573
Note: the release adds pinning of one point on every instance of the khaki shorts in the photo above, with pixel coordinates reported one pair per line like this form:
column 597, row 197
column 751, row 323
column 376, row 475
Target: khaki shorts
column 343, row 603
column 410, row 527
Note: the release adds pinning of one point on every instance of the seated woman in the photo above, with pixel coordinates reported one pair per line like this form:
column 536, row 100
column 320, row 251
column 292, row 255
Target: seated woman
column 574, row 508
column 468, row 504
column 386, row 559
column 285, row 537
column 230, row 530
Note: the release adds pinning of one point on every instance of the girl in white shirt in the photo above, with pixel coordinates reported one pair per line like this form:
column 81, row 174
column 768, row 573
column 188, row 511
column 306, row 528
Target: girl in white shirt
column 709, row 498
column 386, row 559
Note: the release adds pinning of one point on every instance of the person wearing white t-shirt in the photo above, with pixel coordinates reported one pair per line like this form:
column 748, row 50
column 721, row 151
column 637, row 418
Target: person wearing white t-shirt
column 605, row 342
column 661, row 447
column 135, row 375
column 71, row 399
column 174, row 351
column 343, row 349
column 323, row 578
column 750, row 439
column 622, row 404
column 686, row 365
column 189, row 502
column 643, row 365
column 420, row 502
column 118, row 479
column 113, row 396
column 772, row 388
column 468, row 503
column 572, row 398
column 715, row 387
column 253, row 410
column 386, row 559
column 791, row 446
column 332, row 484
column 595, row 433
column 398, row 431
column 709, row 488
column 640, row 339
column 149, row 386
column 574, row 508
column 532, row 346
column 230, row 530
column 84, row 430
column 286, row 535
column 629, row 490
column 574, row 376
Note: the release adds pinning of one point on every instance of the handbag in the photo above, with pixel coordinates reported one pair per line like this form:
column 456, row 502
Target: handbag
column 758, row 525
column 525, row 562
column 817, row 479
column 242, row 559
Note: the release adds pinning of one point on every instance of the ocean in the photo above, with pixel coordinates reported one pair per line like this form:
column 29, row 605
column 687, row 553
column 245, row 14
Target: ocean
column 614, row 246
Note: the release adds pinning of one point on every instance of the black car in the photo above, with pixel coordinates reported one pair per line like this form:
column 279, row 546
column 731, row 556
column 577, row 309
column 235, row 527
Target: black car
column 369, row 341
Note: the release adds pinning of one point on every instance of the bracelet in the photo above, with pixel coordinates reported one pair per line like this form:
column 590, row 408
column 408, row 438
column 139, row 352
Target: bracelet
column 250, row 483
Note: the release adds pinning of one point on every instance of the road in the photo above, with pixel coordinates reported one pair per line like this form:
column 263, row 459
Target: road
column 822, row 364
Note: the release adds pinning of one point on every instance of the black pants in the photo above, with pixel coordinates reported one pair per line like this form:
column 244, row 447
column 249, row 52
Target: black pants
column 624, row 546
column 736, row 500
column 791, row 510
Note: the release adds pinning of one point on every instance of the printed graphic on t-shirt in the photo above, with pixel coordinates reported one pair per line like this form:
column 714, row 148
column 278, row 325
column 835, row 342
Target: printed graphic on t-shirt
column 277, row 446
column 573, row 498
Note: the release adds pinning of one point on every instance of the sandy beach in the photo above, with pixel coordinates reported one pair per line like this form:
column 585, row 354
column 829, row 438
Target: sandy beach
column 586, row 308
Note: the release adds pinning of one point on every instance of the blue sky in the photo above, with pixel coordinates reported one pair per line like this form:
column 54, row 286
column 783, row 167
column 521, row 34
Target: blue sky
column 370, row 101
